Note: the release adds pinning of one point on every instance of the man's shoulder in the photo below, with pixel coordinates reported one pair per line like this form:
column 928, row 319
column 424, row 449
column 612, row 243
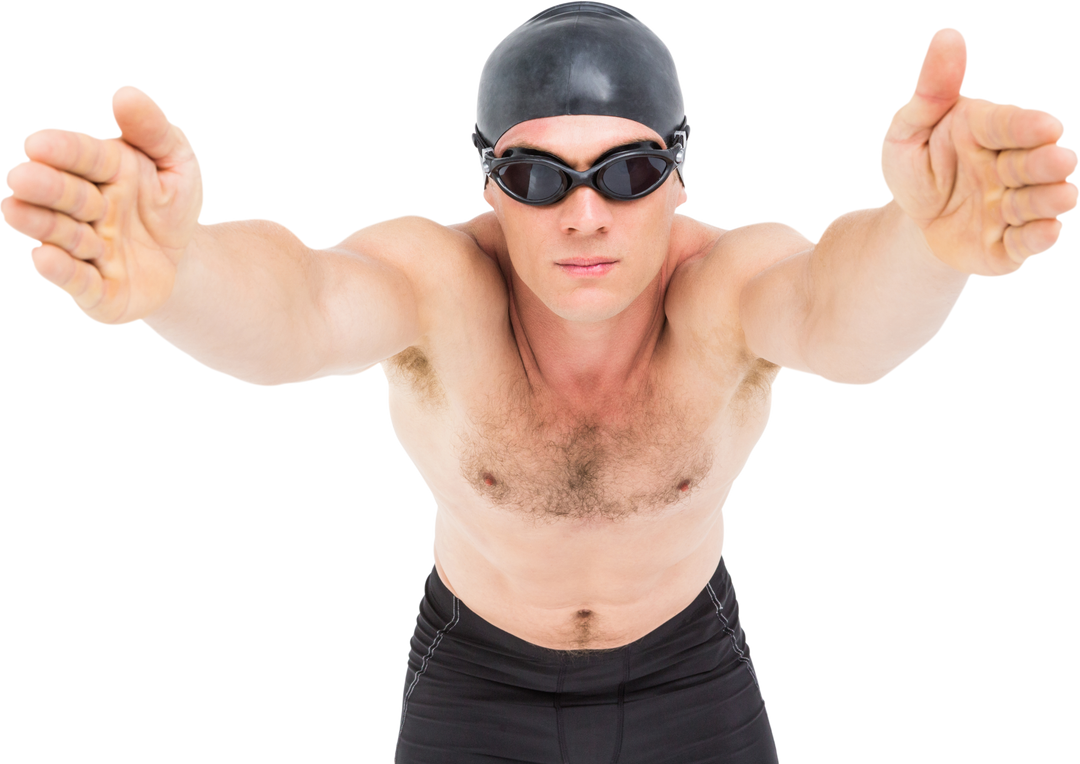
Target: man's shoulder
column 453, row 282
column 485, row 232
column 438, row 260
column 740, row 255
column 416, row 241
column 703, row 296
column 752, row 248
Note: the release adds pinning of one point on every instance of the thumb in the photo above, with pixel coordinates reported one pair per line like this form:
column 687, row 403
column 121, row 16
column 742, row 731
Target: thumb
column 939, row 85
column 143, row 125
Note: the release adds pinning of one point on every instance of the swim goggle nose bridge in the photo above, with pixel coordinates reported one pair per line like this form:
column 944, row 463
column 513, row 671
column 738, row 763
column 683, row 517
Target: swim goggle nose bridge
column 623, row 173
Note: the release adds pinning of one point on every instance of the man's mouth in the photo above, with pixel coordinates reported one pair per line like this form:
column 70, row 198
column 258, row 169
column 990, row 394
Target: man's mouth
column 586, row 266
column 584, row 262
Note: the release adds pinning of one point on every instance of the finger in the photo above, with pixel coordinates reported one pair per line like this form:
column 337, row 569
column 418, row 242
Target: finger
column 1018, row 206
column 939, row 85
column 45, row 186
column 80, row 280
column 97, row 161
column 1021, row 242
column 143, row 125
column 48, row 227
column 1029, row 167
column 1010, row 127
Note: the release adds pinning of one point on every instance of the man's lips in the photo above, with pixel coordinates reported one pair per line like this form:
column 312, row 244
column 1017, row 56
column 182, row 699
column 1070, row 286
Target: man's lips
column 586, row 266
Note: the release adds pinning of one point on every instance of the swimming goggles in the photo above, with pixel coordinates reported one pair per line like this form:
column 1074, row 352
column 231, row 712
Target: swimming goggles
column 623, row 173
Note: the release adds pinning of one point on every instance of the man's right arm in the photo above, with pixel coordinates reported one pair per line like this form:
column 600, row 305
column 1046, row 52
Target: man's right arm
column 252, row 301
column 117, row 220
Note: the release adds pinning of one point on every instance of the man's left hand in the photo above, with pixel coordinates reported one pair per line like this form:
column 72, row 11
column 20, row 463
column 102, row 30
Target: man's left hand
column 984, row 182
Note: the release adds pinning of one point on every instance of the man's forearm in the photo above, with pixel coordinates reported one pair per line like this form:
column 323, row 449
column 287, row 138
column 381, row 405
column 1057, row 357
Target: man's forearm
column 244, row 303
column 877, row 294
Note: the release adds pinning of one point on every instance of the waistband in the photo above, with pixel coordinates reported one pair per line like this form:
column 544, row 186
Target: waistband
column 670, row 651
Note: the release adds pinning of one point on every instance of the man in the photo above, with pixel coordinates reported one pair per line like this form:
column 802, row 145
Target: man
column 579, row 375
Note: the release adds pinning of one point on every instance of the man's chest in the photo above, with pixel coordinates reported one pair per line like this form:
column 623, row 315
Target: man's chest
column 488, row 439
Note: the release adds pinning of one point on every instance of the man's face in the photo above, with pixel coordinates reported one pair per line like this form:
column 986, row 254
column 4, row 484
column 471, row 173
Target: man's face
column 546, row 242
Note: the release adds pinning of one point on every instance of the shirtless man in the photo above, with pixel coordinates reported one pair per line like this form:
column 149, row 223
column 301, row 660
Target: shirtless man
column 579, row 377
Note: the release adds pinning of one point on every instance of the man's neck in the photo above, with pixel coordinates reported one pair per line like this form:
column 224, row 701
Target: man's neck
column 585, row 366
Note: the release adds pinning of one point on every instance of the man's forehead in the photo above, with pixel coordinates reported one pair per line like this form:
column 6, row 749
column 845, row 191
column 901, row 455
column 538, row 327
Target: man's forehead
column 575, row 137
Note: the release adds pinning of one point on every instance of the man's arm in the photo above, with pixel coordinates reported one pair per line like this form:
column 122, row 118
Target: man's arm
column 117, row 222
column 976, row 189
column 854, row 307
column 252, row 301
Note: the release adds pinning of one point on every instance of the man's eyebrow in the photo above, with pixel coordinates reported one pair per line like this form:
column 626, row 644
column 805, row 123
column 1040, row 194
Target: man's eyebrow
column 542, row 150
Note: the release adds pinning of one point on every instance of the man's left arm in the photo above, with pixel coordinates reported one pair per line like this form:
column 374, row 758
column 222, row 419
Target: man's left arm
column 976, row 189
column 878, row 296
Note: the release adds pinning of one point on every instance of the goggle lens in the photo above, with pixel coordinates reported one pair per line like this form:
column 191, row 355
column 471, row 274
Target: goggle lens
column 529, row 181
column 634, row 176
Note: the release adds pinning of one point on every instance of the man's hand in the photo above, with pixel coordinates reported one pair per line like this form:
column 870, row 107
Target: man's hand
column 983, row 182
column 114, row 217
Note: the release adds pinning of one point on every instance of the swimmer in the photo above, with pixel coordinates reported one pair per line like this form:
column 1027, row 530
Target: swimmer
column 579, row 374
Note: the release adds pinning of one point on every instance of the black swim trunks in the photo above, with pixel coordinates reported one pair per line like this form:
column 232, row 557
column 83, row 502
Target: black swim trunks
column 685, row 693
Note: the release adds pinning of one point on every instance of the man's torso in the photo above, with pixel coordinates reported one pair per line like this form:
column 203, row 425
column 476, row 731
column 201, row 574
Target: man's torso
column 577, row 529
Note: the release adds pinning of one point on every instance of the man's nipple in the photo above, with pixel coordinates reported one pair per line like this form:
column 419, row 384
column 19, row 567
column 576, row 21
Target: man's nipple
column 684, row 486
column 489, row 479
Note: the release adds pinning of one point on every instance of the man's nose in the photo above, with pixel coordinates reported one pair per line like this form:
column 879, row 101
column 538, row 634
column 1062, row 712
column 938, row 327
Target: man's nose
column 585, row 210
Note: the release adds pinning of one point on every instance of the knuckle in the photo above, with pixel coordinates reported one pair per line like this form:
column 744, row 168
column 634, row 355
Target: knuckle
column 1040, row 205
column 89, row 245
column 76, row 236
column 78, row 151
column 1030, row 237
column 55, row 190
column 1008, row 171
column 1015, row 246
column 50, row 224
column 1011, row 212
column 81, row 202
column 104, row 155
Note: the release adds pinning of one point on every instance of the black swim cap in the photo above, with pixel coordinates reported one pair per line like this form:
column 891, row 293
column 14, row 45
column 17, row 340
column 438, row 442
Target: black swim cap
column 580, row 58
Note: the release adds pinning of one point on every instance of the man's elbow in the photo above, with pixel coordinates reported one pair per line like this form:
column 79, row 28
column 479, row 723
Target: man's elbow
column 846, row 366
column 849, row 368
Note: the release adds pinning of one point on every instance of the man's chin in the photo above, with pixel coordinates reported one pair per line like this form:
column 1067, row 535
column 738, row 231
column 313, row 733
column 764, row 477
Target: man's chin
column 590, row 310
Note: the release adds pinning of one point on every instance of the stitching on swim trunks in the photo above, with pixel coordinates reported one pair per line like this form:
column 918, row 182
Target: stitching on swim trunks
column 728, row 629
column 426, row 659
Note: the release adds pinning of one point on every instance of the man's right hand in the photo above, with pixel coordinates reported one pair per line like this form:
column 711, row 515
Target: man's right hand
column 114, row 217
